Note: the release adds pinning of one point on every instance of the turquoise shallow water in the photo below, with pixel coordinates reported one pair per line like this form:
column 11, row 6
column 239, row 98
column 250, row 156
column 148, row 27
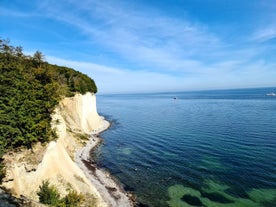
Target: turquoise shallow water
column 208, row 148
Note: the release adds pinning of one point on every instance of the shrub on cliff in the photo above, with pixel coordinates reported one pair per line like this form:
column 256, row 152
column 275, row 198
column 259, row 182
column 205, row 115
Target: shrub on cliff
column 48, row 194
column 73, row 199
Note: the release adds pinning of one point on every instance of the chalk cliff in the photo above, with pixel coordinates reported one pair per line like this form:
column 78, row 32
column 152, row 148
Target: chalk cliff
column 80, row 112
column 73, row 119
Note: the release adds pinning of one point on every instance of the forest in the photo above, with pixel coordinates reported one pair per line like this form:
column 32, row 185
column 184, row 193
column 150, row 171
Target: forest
column 30, row 88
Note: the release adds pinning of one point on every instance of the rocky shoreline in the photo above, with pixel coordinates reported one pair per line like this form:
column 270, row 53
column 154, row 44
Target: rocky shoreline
column 108, row 188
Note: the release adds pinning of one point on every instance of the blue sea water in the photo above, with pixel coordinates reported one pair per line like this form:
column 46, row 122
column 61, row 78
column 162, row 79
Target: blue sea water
column 205, row 148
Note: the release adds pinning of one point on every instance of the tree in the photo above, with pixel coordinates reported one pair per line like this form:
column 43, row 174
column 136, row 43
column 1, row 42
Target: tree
column 4, row 45
column 19, row 51
column 38, row 58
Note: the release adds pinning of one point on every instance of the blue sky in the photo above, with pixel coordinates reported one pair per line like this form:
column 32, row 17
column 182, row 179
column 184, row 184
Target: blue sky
column 150, row 46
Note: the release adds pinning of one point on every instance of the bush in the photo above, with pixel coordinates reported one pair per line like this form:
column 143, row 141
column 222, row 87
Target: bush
column 73, row 199
column 48, row 194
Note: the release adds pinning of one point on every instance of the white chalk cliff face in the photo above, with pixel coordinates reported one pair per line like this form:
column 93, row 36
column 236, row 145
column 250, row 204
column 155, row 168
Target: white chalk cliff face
column 81, row 112
column 26, row 170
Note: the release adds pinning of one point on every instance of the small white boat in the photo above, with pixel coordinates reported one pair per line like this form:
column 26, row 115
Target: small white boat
column 271, row 94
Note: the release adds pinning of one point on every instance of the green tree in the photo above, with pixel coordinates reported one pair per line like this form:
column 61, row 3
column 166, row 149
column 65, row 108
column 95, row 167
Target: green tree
column 19, row 51
column 4, row 46
column 38, row 58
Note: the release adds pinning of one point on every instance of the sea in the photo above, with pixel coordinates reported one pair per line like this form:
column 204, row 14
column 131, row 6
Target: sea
column 200, row 148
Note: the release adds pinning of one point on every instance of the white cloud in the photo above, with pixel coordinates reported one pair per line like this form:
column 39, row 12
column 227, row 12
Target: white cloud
column 221, row 75
column 265, row 34
column 144, row 38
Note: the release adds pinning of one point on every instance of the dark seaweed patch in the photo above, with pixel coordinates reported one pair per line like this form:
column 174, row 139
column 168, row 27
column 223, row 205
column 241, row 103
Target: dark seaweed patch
column 192, row 200
column 216, row 197
column 89, row 166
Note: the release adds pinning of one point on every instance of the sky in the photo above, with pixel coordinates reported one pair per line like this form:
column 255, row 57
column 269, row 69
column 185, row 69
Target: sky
column 151, row 45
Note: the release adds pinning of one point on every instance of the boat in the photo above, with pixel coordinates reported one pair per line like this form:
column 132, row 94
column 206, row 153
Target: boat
column 271, row 94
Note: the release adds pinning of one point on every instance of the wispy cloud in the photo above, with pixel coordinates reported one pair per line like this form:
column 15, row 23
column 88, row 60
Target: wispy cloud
column 265, row 34
column 178, row 51
column 159, row 41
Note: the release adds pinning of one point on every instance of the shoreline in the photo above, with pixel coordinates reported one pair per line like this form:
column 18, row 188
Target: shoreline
column 110, row 190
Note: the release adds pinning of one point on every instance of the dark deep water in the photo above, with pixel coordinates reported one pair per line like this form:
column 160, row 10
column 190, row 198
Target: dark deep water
column 207, row 148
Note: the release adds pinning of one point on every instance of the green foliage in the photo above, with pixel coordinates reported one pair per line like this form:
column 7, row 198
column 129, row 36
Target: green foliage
column 73, row 199
column 38, row 58
column 30, row 88
column 48, row 194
